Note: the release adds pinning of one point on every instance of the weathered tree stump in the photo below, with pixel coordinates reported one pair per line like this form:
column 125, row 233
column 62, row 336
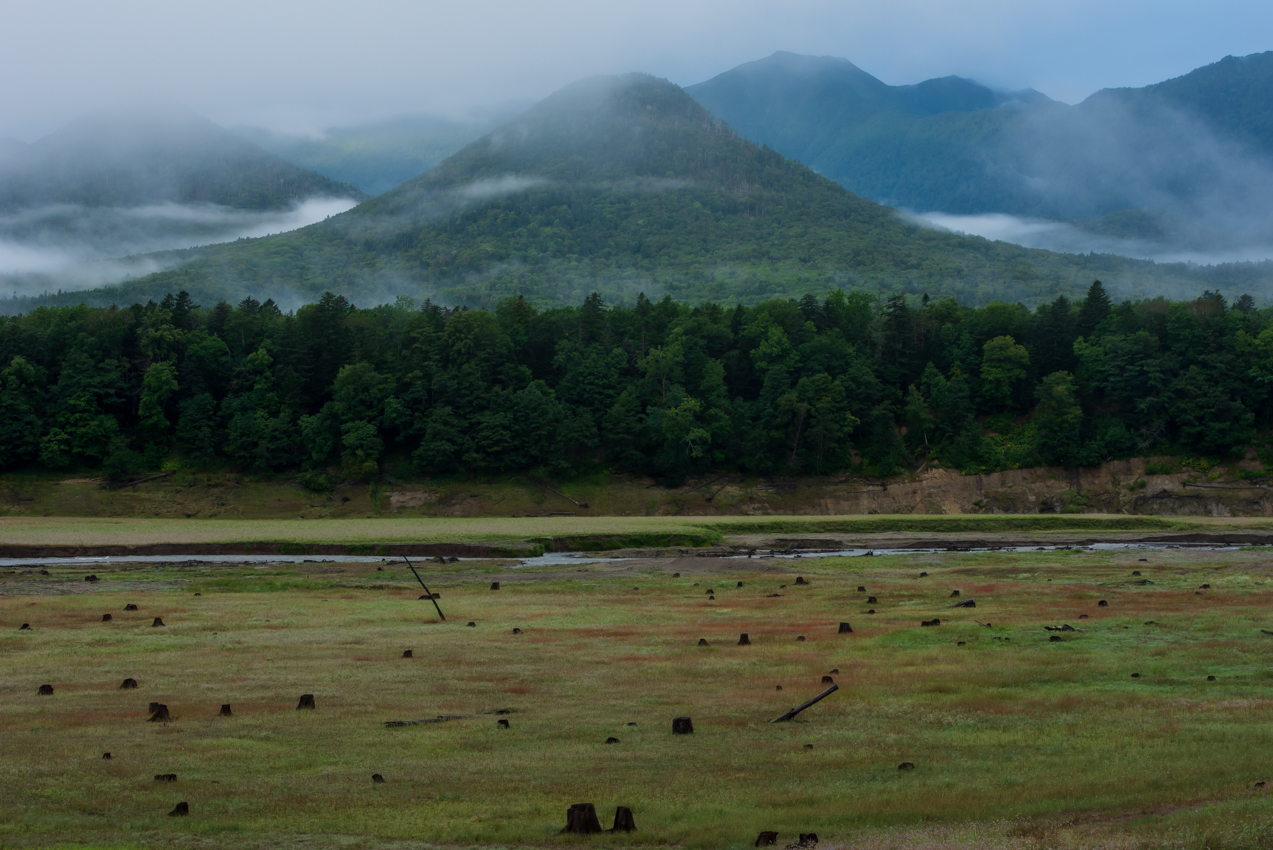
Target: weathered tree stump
column 91, row 578
column 128, row 684
column 130, row 607
column 181, row 810
column 307, row 701
column 845, row 629
column 827, row 680
column 165, row 777
column 503, row 724
column 406, row 653
column 743, row 640
column 800, row 580
column 581, row 819
column 682, row 726
column 861, row 588
column 906, row 765
column 799, row 638
column 766, row 838
column 225, row 710
column 1102, row 604
column 376, row 778
column 159, row 714
column 702, row 641
column 106, row 756
column 25, row 627
column 612, row 740
column 494, row 585
column 623, row 820
column 106, row 618
column 159, row 621
column 45, row 690
column 954, row 594
column 871, row 600
column 517, row 631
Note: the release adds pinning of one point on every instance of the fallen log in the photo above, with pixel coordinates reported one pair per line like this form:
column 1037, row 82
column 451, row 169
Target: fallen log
column 804, row 705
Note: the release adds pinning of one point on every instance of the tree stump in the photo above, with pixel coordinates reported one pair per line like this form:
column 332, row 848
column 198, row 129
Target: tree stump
column 159, row 621
column 861, row 588
column 159, row 713
column 799, row 638
column 702, row 641
column 1102, row 604
column 106, row 756
column 682, row 726
column 845, row 629
column 766, row 838
column 623, row 820
column 612, row 740
column 376, row 778
column 307, row 701
column 225, row 710
column 406, row 653
column 130, row 607
column 827, row 680
column 906, row 765
column 45, row 690
column 954, row 594
column 871, row 600
column 800, row 580
column 494, row 585
column 25, row 627
column 581, row 819
column 503, row 724
column 165, row 777
column 181, row 810
column 106, row 618
column 743, row 640
column 128, row 684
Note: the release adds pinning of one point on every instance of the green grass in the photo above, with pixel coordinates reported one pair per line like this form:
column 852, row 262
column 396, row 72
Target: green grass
column 1018, row 742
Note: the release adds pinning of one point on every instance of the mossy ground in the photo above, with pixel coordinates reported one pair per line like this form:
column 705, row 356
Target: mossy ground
column 1017, row 741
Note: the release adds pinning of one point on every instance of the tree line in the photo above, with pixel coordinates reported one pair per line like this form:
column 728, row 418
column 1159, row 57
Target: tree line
column 663, row 388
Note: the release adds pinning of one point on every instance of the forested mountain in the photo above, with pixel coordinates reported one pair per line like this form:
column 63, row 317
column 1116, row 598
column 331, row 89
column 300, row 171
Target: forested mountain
column 664, row 389
column 626, row 185
column 373, row 157
column 1186, row 160
column 137, row 157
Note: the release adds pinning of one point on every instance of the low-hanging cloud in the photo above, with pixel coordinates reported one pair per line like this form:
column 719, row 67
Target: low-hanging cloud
column 72, row 247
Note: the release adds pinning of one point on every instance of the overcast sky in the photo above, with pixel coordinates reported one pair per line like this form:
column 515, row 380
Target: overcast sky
column 305, row 64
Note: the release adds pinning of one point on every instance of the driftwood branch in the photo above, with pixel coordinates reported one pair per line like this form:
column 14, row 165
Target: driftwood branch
column 802, row 706
column 427, row 592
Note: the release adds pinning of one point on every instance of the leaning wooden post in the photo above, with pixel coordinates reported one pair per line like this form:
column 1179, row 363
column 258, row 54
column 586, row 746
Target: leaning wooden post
column 804, row 705
column 426, row 590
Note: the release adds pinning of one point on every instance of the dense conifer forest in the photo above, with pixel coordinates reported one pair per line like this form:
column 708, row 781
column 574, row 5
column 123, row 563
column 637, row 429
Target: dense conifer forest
column 819, row 385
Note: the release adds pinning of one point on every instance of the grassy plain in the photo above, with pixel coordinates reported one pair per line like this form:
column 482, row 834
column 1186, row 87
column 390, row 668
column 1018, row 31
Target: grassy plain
column 130, row 531
column 1018, row 741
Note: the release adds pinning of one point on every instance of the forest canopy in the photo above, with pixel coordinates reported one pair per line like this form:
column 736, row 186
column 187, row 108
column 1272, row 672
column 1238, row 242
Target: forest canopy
column 784, row 387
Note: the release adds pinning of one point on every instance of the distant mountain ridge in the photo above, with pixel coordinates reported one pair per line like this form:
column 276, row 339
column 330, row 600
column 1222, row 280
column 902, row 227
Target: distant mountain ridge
column 146, row 156
column 625, row 185
column 1190, row 155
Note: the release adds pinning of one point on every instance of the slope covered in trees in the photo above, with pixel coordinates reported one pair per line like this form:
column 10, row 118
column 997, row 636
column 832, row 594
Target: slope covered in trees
column 625, row 185
column 664, row 388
